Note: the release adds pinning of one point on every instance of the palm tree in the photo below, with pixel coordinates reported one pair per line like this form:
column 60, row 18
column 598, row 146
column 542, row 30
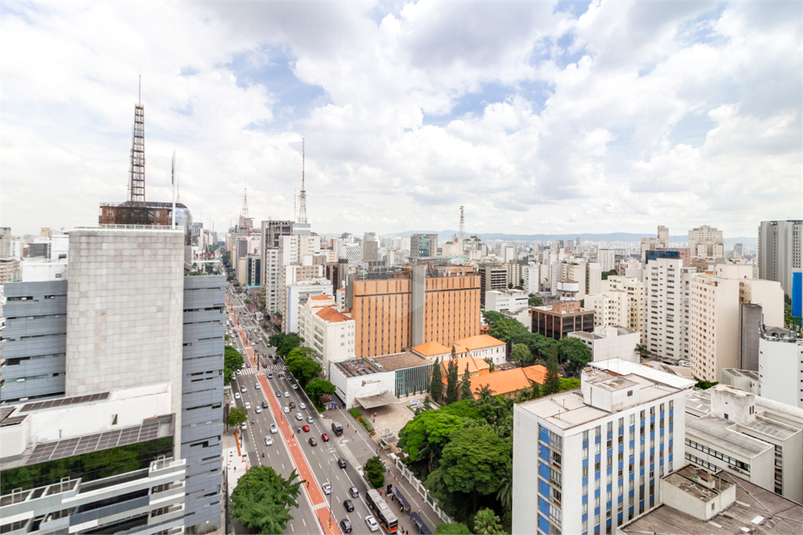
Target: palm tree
column 504, row 493
column 642, row 350
column 485, row 394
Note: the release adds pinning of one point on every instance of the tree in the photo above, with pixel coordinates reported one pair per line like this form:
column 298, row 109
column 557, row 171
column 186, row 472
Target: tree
column 436, row 382
column 520, row 354
column 302, row 367
column 427, row 433
column 643, row 351
column 505, row 491
column 451, row 381
column 535, row 300
column 473, row 462
column 232, row 360
column 375, row 470
column 504, row 328
column 465, row 386
column 487, row 523
column 704, row 385
column 606, row 274
column 427, row 404
column 552, row 381
column 262, row 499
column 574, row 354
column 453, row 528
column 491, row 364
column 237, row 415
column 317, row 388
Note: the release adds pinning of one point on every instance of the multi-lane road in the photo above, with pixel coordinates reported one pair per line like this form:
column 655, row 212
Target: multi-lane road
column 291, row 448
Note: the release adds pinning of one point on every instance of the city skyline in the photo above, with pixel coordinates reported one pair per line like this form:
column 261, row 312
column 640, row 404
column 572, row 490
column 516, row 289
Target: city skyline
column 540, row 118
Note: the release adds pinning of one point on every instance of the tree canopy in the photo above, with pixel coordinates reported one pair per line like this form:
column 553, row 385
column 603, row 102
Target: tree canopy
column 465, row 386
column 535, row 300
column 574, row 354
column 520, row 354
column 552, row 381
column 318, row 387
column 503, row 328
column 232, row 360
column 284, row 343
column 375, row 470
column 262, row 499
column 436, row 382
column 237, row 415
column 452, row 528
column 486, row 522
column 425, row 435
column 451, row 381
column 302, row 367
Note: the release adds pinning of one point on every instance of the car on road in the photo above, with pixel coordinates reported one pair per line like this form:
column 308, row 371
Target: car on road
column 264, row 404
column 309, row 419
column 270, row 375
column 247, row 406
column 355, row 493
column 237, row 395
column 294, row 386
column 345, row 525
column 244, row 426
column 327, row 488
column 287, row 410
column 247, row 364
column 268, row 441
column 373, row 525
column 341, row 462
column 313, row 442
column 238, row 372
column 325, row 437
column 278, row 394
column 349, row 505
column 292, row 405
column 257, row 386
column 306, row 428
column 258, row 410
column 273, row 428
column 264, row 365
column 243, row 389
column 302, row 405
column 299, row 417
column 286, row 394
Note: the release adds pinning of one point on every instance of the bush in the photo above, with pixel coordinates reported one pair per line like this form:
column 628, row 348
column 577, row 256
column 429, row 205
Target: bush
column 356, row 413
column 367, row 425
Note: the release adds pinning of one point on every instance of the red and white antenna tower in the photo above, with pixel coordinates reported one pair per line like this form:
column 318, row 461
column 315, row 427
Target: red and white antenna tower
column 302, row 197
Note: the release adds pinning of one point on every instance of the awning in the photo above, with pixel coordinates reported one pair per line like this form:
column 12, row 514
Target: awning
column 402, row 500
column 422, row 528
column 380, row 400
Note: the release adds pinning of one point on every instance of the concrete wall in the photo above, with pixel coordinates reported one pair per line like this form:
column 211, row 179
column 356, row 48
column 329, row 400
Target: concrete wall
column 780, row 368
column 125, row 300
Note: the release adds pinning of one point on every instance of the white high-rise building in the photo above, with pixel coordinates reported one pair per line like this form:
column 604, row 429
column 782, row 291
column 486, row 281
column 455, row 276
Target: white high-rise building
column 780, row 251
column 780, row 366
column 588, row 460
column 666, row 308
column 610, row 308
column 296, row 295
column 706, row 242
column 327, row 330
column 714, row 312
column 606, row 259
column 634, row 289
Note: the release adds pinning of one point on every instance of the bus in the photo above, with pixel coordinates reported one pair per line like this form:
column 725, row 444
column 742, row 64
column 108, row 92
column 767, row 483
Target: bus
column 382, row 512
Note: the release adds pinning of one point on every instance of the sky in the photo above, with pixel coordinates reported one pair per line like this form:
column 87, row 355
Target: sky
column 537, row 117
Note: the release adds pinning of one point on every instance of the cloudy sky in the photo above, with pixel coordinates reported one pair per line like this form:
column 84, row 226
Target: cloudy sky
column 538, row 117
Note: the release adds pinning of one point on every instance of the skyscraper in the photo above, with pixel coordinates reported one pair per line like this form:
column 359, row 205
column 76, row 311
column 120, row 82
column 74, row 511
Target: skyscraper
column 779, row 251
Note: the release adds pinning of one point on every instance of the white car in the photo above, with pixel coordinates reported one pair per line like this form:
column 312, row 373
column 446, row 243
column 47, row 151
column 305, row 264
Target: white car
column 244, row 426
column 299, row 417
column 257, row 386
column 247, row 405
column 258, row 410
column 273, row 428
column 236, row 395
column 373, row 525
column 268, row 441
column 294, row 386
column 309, row 419
column 327, row 489
column 287, row 410
column 302, row 405
column 286, row 394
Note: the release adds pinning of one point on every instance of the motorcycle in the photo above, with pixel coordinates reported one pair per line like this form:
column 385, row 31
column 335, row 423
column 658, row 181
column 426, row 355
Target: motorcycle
column 263, row 455
column 252, row 422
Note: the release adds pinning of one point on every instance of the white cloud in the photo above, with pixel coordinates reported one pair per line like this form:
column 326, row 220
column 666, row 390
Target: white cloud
column 426, row 106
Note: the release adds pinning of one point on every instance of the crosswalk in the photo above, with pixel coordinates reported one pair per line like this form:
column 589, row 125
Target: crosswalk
column 272, row 368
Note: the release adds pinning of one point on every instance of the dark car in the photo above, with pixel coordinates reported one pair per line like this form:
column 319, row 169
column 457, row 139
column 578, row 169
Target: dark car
column 264, row 404
column 313, row 442
column 348, row 505
column 341, row 462
column 345, row 525
column 292, row 405
column 278, row 394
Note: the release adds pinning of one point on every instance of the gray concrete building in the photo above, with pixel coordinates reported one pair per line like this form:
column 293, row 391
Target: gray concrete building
column 780, row 246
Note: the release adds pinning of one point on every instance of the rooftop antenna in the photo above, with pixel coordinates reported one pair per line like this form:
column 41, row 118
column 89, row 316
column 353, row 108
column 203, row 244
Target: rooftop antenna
column 462, row 226
column 302, row 198
column 173, row 184
column 136, row 182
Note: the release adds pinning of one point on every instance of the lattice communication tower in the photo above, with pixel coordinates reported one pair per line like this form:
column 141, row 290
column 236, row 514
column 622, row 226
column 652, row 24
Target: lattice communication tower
column 136, row 183
column 302, row 197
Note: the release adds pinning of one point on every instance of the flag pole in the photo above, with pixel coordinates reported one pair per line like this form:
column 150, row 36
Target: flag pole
column 173, row 183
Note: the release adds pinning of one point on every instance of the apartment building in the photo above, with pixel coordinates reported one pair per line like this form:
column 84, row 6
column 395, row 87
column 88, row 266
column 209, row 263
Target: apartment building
column 296, row 295
column 715, row 307
column 423, row 245
column 327, row 330
column 406, row 308
column 653, row 244
column 780, row 366
column 666, row 308
column 611, row 342
column 634, row 288
column 492, row 277
column 588, row 460
column 779, row 251
column 751, row 437
column 610, row 308
column 606, row 259
column 706, row 242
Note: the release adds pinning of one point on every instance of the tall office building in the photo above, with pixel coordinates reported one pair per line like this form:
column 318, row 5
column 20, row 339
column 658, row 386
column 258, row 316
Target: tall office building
column 492, row 277
column 666, row 308
column 423, row 245
column 370, row 248
column 779, row 251
column 606, row 259
column 588, row 460
column 706, row 242
column 127, row 318
column 5, row 242
column 714, row 312
column 653, row 244
column 406, row 309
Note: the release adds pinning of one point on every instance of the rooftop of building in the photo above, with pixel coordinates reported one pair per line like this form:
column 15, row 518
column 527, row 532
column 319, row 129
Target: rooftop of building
column 332, row 316
column 358, row 367
column 475, row 365
column 563, row 308
column 401, row 361
column 480, row 341
column 607, row 380
column 600, row 333
column 501, row 383
column 697, row 482
column 626, row 367
column 726, row 435
column 536, row 374
column 742, row 373
column 756, row 510
column 430, row 349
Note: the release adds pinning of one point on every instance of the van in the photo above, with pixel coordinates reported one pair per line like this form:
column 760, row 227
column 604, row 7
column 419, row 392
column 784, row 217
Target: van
column 337, row 428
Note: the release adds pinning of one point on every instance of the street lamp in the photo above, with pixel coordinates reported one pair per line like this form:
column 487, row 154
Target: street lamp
column 331, row 459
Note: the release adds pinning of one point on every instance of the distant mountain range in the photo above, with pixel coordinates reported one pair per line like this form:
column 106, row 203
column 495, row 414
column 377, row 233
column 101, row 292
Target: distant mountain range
column 627, row 237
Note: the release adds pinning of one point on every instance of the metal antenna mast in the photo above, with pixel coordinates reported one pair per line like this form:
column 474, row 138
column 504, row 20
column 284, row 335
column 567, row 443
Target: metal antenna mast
column 462, row 226
column 136, row 183
column 244, row 213
column 302, row 198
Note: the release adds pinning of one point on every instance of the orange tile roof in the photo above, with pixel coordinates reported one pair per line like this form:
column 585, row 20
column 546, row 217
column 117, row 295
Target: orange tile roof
column 331, row 315
column 480, row 341
column 501, row 383
column 429, row 349
column 536, row 374
column 321, row 297
column 475, row 366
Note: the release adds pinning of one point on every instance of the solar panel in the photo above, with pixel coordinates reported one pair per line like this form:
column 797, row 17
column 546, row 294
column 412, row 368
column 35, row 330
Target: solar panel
column 60, row 402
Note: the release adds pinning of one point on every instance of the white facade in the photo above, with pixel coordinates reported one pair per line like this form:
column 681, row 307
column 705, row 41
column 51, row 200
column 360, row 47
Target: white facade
column 566, row 451
column 506, row 300
column 610, row 308
column 611, row 342
column 349, row 385
column 125, row 312
column 706, row 242
column 328, row 331
column 272, row 280
column 666, row 308
column 606, row 259
column 531, row 274
column 780, row 251
column 634, row 288
column 296, row 295
column 35, row 270
column 780, row 366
